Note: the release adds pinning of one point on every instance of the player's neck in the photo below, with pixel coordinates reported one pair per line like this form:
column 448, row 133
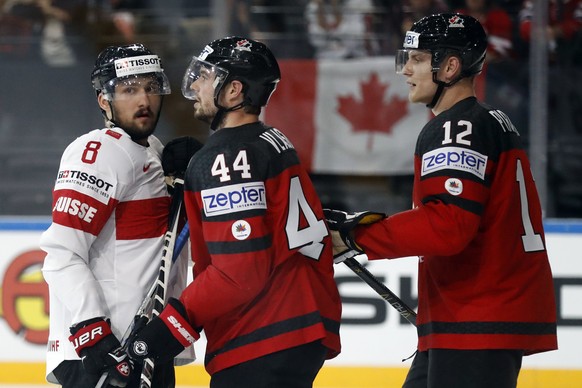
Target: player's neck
column 237, row 118
column 452, row 95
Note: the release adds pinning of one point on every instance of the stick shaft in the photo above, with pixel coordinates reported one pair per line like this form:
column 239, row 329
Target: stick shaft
column 408, row 313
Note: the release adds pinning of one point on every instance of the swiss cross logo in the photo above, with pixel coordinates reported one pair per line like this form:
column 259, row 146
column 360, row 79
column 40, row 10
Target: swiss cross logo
column 123, row 368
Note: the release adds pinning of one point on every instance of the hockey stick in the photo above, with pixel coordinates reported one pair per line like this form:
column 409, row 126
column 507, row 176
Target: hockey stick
column 408, row 313
column 156, row 294
column 159, row 301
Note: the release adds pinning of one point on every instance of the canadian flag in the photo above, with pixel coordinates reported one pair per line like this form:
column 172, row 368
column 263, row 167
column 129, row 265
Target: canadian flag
column 347, row 117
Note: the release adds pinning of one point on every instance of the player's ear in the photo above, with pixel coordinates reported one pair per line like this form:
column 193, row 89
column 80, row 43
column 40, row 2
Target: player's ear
column 103, row 102
column 452, row 67
column 233, row 92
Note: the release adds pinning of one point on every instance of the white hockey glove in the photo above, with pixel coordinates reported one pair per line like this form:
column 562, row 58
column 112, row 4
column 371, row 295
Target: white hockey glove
column 342, row 225
column 100, row 351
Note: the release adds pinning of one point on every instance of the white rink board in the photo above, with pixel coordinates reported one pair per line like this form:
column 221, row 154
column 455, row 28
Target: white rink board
column 375, row 337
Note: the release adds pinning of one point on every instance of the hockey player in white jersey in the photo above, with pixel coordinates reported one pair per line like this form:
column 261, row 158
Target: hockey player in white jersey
column 110, row 211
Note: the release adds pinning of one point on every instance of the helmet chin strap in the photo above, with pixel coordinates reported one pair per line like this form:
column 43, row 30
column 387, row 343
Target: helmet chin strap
column 110, row 122
column 222, row 111
column 440, row 89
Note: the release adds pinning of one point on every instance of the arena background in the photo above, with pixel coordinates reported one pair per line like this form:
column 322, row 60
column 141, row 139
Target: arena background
column 346, row 112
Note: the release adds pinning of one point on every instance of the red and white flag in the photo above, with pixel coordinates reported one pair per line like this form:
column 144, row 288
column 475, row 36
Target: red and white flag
column 347, row 117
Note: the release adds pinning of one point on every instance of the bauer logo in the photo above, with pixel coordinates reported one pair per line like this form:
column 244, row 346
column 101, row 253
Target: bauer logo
column 454, row 158
column 234, row 198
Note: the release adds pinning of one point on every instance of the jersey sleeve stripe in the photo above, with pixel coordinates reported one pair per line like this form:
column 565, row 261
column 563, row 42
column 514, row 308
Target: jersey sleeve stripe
column 234, row 247
column 465, row 204
column 522, row 328
column 270, row 331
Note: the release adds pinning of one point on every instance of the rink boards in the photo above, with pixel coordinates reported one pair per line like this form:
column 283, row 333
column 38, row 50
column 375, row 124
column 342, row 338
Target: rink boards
column 375, row 339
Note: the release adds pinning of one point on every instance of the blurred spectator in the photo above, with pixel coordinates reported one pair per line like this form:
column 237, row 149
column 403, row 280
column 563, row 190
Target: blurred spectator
column 239, row 18
column 386, row 25
column 278, row 23
column 42, row 20
column 123, row 15
column 563, row 31
column 504, row 85
column 498, row 25
column 413, row 10
column 341, row 28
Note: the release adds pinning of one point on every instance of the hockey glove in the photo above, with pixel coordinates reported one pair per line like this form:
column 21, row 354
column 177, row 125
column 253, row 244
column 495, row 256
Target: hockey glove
column 342, row 225
column 165, row 336
column 100, row 351
column 177, row 154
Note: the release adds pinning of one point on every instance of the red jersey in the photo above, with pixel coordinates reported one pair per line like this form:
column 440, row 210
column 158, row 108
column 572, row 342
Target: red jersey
column 263, row 265
column 484, row 276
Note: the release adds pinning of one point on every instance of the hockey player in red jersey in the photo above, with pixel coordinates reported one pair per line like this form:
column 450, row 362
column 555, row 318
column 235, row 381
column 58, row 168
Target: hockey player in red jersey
column 263, row 288
column 110, row 211
column 485, row 289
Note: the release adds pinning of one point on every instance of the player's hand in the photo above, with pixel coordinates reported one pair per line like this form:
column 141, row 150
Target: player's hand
column 342, row 225
column 100, row 351
column 177, row 154
column 165, row 336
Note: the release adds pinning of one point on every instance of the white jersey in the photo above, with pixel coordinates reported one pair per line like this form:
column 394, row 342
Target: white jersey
column 110, row 209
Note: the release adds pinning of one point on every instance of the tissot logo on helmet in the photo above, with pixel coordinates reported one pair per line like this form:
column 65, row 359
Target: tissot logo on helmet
column 137, row 65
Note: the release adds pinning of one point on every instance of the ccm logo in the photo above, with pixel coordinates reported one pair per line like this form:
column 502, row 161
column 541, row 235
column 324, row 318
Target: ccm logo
column 87, row 337
column 454, row 158
column 234, row 198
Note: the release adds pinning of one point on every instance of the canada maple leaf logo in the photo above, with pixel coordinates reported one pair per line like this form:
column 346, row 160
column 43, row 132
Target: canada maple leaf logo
column 372, row 113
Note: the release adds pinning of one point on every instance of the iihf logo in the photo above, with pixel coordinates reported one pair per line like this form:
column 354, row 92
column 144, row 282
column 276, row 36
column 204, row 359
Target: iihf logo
column 456, row 21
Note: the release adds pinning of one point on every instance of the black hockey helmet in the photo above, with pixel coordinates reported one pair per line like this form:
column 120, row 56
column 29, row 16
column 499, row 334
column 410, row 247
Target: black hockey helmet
column 236, row 58
column 445, row 34
column 118, row 63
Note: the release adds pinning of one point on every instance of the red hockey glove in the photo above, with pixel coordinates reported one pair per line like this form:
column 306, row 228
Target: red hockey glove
column 342, row 225
column 165, row 336
column 100, row 351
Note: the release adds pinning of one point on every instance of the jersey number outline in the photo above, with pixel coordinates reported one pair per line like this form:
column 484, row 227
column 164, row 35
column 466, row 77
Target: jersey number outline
column 90, row 153
column 531, row 240
column 309, row 238
column 460, row 138
column 219, row 167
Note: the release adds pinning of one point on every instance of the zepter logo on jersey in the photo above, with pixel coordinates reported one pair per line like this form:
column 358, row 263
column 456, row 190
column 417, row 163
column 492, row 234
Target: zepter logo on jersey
column 234, row 198
column 454, row 158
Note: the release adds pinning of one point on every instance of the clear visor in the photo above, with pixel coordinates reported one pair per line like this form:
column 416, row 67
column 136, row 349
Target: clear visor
column 404, row 56
column 129, row 86
column 200, row 72
column 401, row 60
